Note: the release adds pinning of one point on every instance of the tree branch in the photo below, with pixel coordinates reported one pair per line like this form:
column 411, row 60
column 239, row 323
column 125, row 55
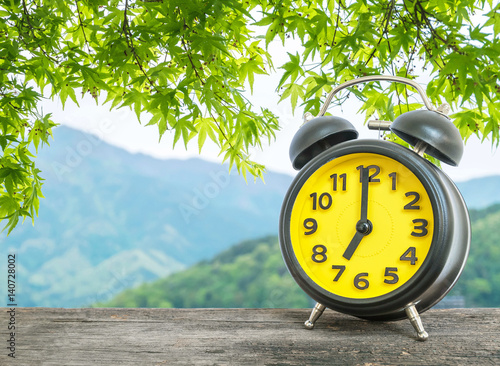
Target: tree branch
column 198, row 76
column 26, row 16
column 387, row 17
column 80, row 21
column 130, row 44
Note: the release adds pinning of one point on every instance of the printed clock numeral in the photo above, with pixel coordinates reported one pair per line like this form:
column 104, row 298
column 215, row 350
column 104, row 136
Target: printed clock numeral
column 372, row 176
column 324, row 201
column 393, row 176
column 390, row 272
column 311, row 225
column 338, row 178
column 319, row 256
column 411, row 205
column 361, row 283
column 339, row 273
column 421, row 229
column 410, row 256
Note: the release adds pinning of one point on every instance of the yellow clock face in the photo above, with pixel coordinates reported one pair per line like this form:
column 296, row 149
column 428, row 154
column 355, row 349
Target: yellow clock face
column 361, row 225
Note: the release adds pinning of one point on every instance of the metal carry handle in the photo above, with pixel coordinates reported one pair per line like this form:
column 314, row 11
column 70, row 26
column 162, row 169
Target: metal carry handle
column 364, row 79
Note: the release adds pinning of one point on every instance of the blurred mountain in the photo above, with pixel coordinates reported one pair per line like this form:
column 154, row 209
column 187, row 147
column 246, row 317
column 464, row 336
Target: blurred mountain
column 481, row 192
column 111, row 220
column 250, row 274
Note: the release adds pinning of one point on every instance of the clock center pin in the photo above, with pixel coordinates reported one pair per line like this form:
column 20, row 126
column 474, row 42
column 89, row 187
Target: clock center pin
column 364, row 227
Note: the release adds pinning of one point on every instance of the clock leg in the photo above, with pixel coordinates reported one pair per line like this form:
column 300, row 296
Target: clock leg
column 415, row 320
column 315, row 314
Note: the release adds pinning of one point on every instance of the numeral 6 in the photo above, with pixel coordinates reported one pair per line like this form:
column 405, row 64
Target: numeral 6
column 361, row 283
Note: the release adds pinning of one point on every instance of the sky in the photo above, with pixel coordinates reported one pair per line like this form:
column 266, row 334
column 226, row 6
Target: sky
column 122, row 129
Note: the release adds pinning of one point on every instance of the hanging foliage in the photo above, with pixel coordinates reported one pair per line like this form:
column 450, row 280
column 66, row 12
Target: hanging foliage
column 183, row 66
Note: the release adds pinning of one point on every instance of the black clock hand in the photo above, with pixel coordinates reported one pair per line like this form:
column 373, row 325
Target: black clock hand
column 363, row 226
column 353, row 245
column 365, row 180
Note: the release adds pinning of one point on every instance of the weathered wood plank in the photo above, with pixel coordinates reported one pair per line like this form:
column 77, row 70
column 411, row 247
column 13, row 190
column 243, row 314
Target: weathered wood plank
column 247, row 337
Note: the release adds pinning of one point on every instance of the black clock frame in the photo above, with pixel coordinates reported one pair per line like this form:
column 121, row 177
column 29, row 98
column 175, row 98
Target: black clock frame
column 444, row 262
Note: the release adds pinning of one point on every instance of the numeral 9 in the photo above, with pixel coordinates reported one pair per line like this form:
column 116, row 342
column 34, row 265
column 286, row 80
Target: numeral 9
column 311, row 225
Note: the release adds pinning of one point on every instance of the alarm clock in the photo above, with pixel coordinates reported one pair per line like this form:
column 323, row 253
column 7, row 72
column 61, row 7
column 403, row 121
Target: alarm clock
column 369, row 227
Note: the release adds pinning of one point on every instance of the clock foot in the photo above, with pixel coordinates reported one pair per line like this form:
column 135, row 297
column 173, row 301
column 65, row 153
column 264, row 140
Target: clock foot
column 415, row 320
column 315, row 314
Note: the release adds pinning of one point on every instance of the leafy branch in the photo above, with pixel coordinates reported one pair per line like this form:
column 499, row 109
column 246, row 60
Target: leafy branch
column 81, row 25
column 187, row 65
column 130, row 43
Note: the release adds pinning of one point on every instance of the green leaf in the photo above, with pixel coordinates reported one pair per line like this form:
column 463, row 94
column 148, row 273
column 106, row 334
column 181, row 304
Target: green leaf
column 292, row 69
column 183, row 127
column 247, row 71
column 294, row 91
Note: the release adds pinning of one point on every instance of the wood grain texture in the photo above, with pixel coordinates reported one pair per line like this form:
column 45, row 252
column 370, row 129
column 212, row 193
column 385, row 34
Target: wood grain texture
column 46, row 336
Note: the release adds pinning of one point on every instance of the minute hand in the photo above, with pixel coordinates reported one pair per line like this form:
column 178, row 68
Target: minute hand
column 363, row 226
column 365, row 179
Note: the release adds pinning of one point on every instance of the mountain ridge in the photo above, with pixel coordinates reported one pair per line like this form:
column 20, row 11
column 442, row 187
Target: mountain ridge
column 102, row 201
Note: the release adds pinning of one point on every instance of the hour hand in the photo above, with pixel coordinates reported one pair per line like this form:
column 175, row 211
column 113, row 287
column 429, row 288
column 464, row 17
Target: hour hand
column 362, row 229
column 353, row 245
